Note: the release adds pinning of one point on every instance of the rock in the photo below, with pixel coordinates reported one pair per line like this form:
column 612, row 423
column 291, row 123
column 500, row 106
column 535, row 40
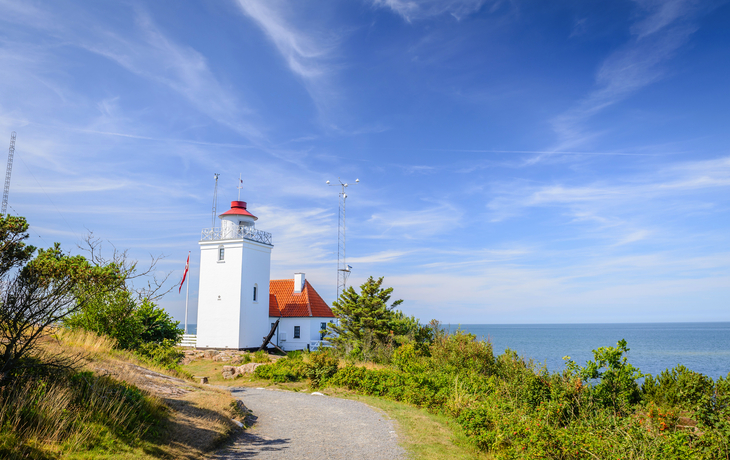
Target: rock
column 229, row 372
column 221, row 357
column 248, row 368
column 210, row 353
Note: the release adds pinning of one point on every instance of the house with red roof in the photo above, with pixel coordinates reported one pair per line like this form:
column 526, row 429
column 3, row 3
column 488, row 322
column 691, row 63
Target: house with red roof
column 302, row 313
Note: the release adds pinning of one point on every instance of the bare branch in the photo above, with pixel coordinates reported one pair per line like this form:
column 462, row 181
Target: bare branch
column 153, row 283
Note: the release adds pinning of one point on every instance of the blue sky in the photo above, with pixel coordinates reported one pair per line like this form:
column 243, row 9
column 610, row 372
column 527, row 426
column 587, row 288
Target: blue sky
column 518, row 162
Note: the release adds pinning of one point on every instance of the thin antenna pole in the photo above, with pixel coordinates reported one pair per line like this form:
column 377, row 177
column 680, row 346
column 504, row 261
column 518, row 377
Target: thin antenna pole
column 8, row 171
column 215, row 201
column 343, row 270
column 240, row 186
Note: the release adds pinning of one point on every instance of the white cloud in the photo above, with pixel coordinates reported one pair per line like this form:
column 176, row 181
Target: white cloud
column 664, row 28
column 151, row 54
column 303, row 52
column 412, row 10
column 422, row 223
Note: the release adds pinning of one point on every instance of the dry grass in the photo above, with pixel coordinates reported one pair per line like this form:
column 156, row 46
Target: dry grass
column 191, row 419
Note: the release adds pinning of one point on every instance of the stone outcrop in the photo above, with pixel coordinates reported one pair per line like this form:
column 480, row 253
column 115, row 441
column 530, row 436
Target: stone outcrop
column 231, row 372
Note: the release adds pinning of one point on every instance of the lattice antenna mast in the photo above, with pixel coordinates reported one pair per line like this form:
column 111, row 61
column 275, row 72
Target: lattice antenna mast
column 8, row 172
column 215, row 200
column 343, row 270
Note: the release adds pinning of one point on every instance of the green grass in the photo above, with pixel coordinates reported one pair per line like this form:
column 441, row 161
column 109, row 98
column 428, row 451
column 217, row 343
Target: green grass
column 423, row 434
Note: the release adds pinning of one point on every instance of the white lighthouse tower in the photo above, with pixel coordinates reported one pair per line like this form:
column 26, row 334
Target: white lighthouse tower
column 233, row 297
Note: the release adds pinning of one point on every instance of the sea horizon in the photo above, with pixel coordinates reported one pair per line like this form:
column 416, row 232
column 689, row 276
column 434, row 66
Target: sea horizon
column 701, row 346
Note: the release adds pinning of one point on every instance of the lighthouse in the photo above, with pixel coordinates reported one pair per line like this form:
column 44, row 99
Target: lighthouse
column 233, row 297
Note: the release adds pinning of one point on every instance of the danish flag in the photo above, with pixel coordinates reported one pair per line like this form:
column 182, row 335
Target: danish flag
column 187, row 264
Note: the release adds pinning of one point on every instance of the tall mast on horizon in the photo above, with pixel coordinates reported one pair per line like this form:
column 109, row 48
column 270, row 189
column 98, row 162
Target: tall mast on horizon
column 8, row 172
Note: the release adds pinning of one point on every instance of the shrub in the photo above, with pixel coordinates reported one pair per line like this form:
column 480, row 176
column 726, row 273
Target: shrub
column 322, row 366
column 164, row 354
column 679, row 387
column 261, row 357
column 613, row 378
column 462, row 353
column 290, row 369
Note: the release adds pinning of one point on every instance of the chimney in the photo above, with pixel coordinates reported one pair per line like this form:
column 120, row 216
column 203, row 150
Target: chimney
column 298, row 282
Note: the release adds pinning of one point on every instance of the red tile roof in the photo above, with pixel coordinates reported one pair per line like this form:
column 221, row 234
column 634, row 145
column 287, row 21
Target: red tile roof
column 284, row 302
column 238, row 208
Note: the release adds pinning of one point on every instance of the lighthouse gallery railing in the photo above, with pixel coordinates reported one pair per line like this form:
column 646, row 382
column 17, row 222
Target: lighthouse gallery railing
column 247, row 233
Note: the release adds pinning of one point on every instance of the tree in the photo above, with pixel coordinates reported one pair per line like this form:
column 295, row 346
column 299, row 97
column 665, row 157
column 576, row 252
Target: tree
column 126, row 313
column 36, row 294
column 365, row 319
column 611, row 378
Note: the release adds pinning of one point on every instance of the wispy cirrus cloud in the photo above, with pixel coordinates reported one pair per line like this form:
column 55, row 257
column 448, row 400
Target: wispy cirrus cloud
column 153, row 55
column 305, row 53
column 623, row 211
column 141, row 48
column 412, row 10
column 662, row 28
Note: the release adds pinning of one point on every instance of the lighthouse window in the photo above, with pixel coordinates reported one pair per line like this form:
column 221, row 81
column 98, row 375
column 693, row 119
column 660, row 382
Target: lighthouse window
column 322, row 330
column 297, row 331
column 221, row 253
column 255, row 293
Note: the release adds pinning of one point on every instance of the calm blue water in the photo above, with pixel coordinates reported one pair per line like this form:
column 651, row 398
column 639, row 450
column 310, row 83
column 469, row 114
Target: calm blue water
column 702, row 347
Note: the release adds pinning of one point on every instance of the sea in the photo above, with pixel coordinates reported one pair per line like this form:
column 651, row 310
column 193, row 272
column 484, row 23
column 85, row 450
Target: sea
column 653, row 347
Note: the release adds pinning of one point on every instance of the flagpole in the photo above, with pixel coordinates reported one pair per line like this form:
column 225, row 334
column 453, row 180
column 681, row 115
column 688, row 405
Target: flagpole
column 187, row 294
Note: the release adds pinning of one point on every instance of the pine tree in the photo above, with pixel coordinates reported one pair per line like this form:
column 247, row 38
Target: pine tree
column 363, row 317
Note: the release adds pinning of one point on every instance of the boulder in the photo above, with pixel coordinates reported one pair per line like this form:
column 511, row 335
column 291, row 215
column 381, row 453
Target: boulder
column 248, row 368
column 229, row 372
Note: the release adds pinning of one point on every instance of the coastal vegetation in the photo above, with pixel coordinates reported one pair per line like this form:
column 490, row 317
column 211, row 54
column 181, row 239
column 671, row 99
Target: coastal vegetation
column 510, row 407
column 73, row 334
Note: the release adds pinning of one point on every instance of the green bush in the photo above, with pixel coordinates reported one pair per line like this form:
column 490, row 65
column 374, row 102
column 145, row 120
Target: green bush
column 613, row 378
column 261, row 357
column 322, row 366
column 164, row 354
column 678, row 387
column 462, row 353
column 116, row 314
column 290, row 369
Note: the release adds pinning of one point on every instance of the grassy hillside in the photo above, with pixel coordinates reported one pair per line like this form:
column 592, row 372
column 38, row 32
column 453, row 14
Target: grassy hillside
column 111, row 406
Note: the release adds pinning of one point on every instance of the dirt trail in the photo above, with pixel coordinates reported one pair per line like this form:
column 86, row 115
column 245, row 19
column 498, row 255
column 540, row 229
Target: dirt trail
column 289, row 425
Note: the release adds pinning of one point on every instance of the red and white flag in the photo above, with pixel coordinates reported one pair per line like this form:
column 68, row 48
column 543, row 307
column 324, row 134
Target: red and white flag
column 187, row 264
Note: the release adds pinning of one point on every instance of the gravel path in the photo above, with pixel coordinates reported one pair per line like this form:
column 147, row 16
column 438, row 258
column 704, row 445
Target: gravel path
column 292, row 425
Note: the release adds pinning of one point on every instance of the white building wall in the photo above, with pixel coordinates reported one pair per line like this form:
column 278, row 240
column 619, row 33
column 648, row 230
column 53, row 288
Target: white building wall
column 227, row 315
column 219, row 295
column 255, row 271
column 310, row 327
